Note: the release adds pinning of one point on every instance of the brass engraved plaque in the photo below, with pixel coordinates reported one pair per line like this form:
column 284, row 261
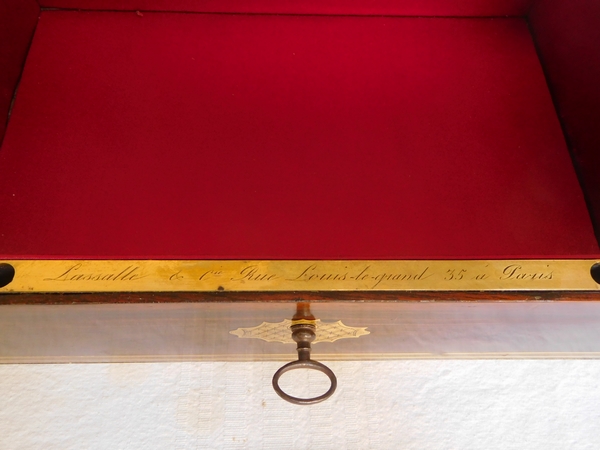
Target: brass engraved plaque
column 235, row 275
column 280, row 332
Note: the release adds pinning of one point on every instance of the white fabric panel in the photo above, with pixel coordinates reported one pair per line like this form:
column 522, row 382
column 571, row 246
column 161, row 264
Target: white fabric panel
column 410, row 404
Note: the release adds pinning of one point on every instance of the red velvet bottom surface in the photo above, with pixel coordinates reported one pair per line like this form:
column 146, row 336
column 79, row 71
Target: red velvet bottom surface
column 286, row 137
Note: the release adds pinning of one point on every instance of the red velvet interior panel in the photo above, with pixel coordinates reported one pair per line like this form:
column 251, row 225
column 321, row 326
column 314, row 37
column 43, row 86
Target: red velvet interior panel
column 379, row 7
column 18, row 19
column 217, row 136
column 568, row 38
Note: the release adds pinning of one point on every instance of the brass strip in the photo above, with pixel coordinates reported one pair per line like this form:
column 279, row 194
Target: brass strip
column 303, row 322
column 87, row 359
column 235, row 275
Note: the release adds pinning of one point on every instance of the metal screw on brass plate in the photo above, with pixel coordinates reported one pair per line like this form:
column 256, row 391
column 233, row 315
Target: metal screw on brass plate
column 303, row 333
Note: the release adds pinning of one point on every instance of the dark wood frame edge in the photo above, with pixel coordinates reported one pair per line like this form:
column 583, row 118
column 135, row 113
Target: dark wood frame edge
column 292, row 296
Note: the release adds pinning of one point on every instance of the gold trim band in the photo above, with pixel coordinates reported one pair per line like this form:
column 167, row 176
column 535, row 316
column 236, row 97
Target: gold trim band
column 77, row 359
column 236, row 275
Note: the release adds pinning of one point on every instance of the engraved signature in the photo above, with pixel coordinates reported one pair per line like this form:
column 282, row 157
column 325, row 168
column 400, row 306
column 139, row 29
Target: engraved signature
column 253, row 273
column 312, row 273
column 74, row 273
column 367, row 276
column 515, row 272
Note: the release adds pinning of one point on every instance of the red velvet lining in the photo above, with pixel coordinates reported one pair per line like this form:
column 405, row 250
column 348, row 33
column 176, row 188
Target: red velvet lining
column 18, row 19
column 377, row 7
column 568, row 37
column 218, row 136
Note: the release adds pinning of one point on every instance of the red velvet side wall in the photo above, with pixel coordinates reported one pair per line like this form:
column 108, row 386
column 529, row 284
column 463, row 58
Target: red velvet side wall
column 375, row 7
column 18, row 19
column 567, row 34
